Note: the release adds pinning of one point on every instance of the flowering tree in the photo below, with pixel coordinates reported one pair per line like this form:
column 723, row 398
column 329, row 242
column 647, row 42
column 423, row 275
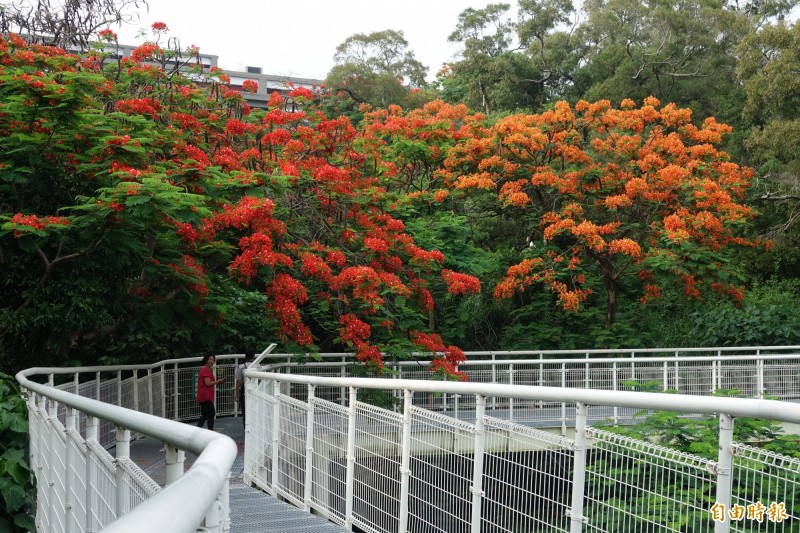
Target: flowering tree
column 606, row 194
column 190, row 191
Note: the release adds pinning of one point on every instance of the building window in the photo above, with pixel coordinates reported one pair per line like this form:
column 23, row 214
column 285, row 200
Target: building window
column 254, row 70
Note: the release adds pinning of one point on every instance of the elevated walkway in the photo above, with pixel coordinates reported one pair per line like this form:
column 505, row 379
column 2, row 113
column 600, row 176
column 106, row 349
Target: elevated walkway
column 251, row 510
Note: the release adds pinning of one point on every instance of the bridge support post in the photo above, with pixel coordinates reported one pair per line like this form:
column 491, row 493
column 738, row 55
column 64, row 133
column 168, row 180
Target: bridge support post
column 309, row 450
column 477, row 463
column 405, row 462
column 724, row 472
column 351, row 460
column 579, row 470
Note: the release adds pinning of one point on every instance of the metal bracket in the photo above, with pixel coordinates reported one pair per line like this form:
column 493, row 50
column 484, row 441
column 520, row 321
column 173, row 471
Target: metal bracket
column 473, row 491
column 581, row 519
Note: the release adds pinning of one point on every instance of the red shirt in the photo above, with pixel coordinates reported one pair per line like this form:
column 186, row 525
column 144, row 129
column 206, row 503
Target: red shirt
column 205, row 393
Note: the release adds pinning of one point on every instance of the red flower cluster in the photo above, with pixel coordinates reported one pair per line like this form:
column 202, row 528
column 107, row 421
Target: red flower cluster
column 285, row 294
column 446, row 358
column 146, row 52
column 25, row 223
column 107, row 35
column 250, row 86
column 139, row 106
column 460, row 283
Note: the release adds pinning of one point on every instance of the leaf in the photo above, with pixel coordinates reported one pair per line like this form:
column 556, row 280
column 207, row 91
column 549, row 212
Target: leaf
column 13, row 494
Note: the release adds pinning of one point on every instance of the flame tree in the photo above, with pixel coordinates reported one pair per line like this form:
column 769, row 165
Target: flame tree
column 605, row 194
column 151, row 190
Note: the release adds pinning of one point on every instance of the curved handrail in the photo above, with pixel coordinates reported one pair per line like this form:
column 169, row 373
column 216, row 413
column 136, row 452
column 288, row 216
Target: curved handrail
column 200, row 485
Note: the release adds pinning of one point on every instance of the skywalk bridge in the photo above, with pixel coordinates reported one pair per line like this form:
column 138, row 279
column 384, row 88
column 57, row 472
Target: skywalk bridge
column 439, row 456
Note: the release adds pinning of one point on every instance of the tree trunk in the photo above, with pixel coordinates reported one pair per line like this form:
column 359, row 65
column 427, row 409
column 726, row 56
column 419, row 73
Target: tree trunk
column 487, row 104
column 611, row 301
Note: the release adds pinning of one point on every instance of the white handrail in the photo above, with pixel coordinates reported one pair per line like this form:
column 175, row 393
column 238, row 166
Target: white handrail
column 738, row 407
column 182, row 505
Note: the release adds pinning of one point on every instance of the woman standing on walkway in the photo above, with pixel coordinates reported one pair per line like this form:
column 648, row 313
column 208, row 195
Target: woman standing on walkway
column 206, row 381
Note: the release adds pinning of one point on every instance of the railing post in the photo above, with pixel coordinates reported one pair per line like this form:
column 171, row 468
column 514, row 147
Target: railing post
column 136, row 390
column 724, row 471
column 511, row 400
column 119, row 388
column 217, row 517
column 123, row 450
column 97, row 386
column 563, row 404
column 174, row 459
column 714, row 376
column 52, row 415
column 351, row 459
column 405, row 461
column 69, row 498
column 666, row 377
column 760, row 379
column 163, row 382
column 309, row 450
column 343, row 390
column 92, row 432
column 276, row 438
column 477, row 464
column 150, row 406
column 677, row 374
column 541, row 378
column 614, row 380
column 76, row 382
column 494, row 379
column 579, row 470
column 176, row 393
column 225, row 505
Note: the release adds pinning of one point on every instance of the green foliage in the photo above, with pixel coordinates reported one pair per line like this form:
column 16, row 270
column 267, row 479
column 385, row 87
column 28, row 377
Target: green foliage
column 377, row 69
column 17, row 492
column 770, row 316
column 696, row 435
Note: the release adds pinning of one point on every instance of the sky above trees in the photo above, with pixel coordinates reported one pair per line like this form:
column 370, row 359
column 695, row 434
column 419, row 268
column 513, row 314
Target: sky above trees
column 286, row 40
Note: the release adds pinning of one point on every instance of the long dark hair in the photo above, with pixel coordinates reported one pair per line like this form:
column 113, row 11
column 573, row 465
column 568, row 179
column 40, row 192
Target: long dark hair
column 206, row 358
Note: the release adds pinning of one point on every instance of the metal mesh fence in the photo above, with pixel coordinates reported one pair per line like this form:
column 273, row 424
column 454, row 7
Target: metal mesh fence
column 638, row 486
column 259, row 433
column 766, row 492
column 527, row 479
column 291, row 465
column 103, row 484
column 330, row 459
column 443, row 457
column 378, row 437
column 138, row 487
column 76, row 476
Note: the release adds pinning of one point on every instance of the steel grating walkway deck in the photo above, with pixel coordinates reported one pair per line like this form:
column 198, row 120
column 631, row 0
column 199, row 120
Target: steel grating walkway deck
column 252, row 511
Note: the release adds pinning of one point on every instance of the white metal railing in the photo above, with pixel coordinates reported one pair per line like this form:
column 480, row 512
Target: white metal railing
column 414, row 469
column 70, row 418
column 772, row 371
column 81, row 487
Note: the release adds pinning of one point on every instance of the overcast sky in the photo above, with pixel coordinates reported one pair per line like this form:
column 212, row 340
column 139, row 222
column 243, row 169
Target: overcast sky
column 298, row 38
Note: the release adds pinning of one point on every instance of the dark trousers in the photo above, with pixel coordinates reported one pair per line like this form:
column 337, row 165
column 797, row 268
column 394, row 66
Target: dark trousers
column 207, row 413
column 241, row 402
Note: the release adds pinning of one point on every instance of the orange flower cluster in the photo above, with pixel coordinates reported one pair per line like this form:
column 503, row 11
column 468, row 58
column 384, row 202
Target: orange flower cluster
column 644, row 179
